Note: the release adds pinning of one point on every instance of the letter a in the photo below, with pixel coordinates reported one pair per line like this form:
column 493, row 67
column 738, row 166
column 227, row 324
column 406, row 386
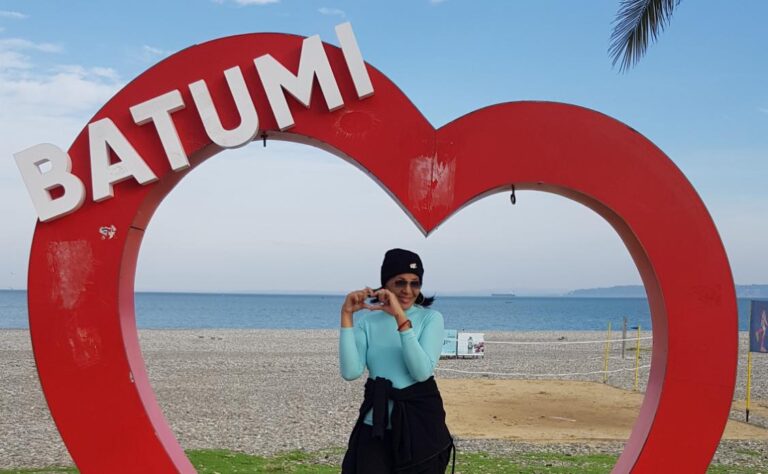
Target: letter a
column 103, row 135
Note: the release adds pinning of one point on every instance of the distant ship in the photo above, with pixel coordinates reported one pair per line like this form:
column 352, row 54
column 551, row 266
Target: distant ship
column 503, row 295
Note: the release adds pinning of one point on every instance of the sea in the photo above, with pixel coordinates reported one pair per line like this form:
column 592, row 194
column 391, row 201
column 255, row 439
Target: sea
column 464, row 313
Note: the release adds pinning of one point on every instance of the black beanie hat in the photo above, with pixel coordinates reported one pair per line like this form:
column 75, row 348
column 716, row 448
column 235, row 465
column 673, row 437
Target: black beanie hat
column 397, row 261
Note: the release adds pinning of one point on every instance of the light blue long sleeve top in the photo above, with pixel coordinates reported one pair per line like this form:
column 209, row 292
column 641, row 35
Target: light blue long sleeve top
column 404, row 358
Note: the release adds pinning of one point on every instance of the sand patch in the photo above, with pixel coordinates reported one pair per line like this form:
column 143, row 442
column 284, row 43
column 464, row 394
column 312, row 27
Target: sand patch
column 551, row 411
column 756, row 407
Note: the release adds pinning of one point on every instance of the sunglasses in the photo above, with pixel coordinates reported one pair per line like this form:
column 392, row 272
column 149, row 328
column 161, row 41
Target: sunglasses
column 402, row 284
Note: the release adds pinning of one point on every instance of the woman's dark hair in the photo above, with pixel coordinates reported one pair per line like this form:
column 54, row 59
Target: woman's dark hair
column 425, row 301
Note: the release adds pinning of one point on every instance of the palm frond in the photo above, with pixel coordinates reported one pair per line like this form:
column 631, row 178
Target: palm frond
column 637, row 23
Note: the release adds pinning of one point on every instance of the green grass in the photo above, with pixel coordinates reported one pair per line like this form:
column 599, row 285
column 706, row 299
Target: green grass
column 531, row 463
column 748, row 452
column 219, row 461
column 42, row 470
column 720, row 469
column 212, row 461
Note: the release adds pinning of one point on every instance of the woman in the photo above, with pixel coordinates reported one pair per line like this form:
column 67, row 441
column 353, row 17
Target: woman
column 401, row 427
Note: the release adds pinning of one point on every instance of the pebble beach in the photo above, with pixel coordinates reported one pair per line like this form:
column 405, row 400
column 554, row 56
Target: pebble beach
column 267, row 391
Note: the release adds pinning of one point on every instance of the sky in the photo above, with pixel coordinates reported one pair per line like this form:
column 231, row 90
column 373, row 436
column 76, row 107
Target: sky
column 280, row 218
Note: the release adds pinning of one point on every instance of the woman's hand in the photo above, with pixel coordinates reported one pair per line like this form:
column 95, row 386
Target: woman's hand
column 389, row 303
column 355, row 301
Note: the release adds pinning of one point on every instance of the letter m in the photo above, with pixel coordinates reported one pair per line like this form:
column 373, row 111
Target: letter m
column 276, row 78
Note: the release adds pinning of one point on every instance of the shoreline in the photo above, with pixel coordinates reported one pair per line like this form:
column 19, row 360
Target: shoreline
column 217, row 388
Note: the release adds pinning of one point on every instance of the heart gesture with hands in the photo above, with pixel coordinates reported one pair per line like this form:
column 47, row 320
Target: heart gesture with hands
column 357, row 300
column 388, row 303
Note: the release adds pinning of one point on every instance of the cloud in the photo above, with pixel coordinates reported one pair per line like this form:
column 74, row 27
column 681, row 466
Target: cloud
column 22, row 44
column 96, row 72
column 248, row 2
column 26, row 89
column 13, row 60
column 153, row 51
column 763, row 109
column 151, row 54
column 68, row 90
column 332, row 12
column 13, row 15
column 148, row 54
column 436, row 2
column 39, row 104
column 12, row 50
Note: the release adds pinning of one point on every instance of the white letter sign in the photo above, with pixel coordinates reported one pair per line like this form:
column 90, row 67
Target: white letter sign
column 249, row 120
column 159, row 110
column 39, row 184
column 103, row 135
column 354, row 59
column 275, row 77
column 47, row 170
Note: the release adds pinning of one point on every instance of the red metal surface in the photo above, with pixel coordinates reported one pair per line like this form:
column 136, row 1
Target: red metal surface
column 81, row 286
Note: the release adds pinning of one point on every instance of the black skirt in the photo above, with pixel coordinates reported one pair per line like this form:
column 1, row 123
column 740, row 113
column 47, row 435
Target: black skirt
column 375, row 456
column 417, row 443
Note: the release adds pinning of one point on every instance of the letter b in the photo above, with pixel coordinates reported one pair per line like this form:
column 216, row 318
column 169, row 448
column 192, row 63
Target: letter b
column 39, row 183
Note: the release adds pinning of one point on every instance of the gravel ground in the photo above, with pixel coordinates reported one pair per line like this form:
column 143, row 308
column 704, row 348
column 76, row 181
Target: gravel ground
column 218, row 390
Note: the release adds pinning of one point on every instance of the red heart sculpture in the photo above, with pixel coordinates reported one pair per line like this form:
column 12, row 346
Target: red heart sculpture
column 81, row 285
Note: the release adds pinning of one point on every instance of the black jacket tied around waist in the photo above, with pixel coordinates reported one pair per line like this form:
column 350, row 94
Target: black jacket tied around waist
column 419, row 432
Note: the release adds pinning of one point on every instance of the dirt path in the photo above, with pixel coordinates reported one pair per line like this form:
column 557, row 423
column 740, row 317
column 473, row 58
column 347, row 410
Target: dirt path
column 555, row 411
